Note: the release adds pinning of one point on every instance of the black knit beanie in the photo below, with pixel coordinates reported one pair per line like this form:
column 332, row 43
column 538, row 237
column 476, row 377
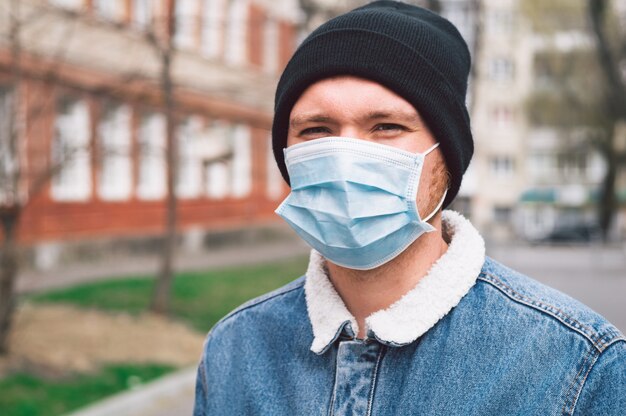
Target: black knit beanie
column 412, row 51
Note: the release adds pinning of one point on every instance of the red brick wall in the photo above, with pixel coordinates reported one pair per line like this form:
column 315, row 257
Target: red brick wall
column 287, row 38
column 256, row 22
column 47, row 219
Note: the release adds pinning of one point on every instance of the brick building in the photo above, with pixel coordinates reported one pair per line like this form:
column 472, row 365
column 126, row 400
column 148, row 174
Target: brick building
column 91, row 109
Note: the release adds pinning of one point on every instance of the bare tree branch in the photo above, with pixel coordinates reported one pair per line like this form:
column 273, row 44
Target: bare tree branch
column 608, row 63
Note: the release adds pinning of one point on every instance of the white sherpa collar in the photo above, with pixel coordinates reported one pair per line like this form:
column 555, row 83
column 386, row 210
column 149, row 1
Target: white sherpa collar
column 443, row 287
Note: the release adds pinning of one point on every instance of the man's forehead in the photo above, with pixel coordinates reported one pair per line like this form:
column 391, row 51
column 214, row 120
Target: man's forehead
column 368, row 98
column 347, row 81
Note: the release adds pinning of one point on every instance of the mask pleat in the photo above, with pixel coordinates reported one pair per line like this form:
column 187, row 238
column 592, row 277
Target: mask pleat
column 373, row 173
column 349, row 205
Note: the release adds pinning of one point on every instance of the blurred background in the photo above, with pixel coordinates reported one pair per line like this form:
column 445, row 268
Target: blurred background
column 138, row 184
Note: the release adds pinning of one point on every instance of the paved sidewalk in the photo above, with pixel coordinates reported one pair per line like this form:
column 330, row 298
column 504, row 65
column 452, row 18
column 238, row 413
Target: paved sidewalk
column 172, row 395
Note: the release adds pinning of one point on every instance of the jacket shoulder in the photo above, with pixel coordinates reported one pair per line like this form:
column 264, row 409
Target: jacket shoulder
column 261, row 304
column 549, row 303
column 260, row 301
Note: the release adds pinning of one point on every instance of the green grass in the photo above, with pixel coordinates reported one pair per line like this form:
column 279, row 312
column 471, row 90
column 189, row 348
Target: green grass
column 28, row 395
column 200, row 299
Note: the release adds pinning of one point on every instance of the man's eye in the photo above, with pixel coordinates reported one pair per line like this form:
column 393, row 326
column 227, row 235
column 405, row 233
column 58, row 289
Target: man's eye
column 314, row 131
column 388, row 127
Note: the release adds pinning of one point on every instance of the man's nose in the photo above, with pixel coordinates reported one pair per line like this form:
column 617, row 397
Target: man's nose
column 352, row 131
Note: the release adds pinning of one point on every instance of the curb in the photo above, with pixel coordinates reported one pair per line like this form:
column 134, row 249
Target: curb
column 169, row 395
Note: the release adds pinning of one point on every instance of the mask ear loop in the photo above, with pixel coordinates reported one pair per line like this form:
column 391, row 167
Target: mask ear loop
column 431, row 148
column 443, row 198
column 432, row 214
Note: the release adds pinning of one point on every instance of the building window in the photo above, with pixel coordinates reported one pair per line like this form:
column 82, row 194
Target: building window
column 596, row 168
column 270, row 46
column 501, row 116
column 572, row 165
column 236, row 49
column 545, row 76
column 114, row 180
column 542, row 167
column 242, row 161
column 143, row 13
column 274, row 177
column 213, row 27
column 502, row 215
column 109, row 9
column 499, row 22
column 460, row 17
column 227, row 161
column 186, row 21
column 218, row 177
column 68, row 4
column 501, row 167
column 71, row 151
column 501, row 69
column 189, row 136
column 218, row 160
column 151, row 177
column 8, row 156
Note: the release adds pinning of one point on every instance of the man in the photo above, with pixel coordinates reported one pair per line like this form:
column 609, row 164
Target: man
column 399, row 312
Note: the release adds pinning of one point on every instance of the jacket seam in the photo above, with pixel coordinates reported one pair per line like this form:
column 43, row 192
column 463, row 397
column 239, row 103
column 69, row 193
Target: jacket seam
column 331, row 408
column 597, row 340
column 614, row 341
column 591, row 367
column 202, row 375
column 570, row 404
column 370, row 401
column 584, row 380
column 205, row 388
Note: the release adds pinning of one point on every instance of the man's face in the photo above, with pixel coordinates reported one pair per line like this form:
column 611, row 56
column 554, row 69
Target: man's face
column 353, row 107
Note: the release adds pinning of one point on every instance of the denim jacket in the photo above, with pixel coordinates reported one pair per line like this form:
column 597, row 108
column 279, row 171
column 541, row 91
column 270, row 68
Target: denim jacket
column 472, row 338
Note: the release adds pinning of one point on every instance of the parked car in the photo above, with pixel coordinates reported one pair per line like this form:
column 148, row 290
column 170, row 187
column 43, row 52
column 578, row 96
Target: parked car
column 576, row 233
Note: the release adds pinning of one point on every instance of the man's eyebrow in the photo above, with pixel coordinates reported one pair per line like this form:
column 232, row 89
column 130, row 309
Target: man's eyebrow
column 405, row 116
column 394, row 114
column 308, row 118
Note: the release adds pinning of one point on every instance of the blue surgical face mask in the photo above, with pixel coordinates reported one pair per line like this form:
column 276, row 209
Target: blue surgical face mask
column 354, row 201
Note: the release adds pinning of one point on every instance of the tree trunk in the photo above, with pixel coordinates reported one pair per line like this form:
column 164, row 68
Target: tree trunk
column 8, row 275
column 163, row 285
column 615, row 110
column 10, row 212
column 608, row 201
column 434, row 5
